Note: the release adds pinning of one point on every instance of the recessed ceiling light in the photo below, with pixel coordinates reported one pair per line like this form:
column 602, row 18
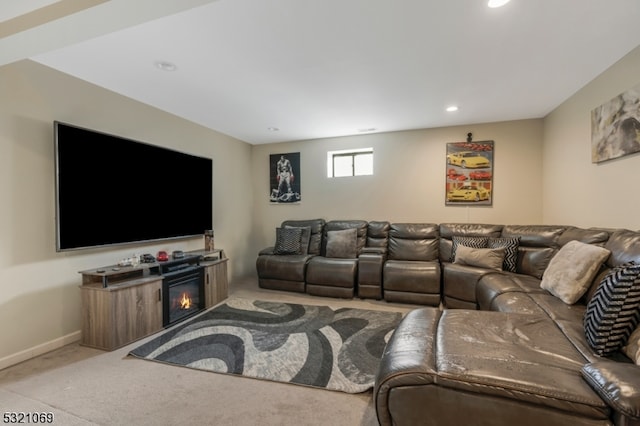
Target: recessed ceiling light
column 452, row 108
column 497, row 3
column 166, row 66
column 272, row 129
column 367, row 130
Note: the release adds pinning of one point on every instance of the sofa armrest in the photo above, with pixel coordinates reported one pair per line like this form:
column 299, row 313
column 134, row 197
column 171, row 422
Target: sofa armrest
column 370, row 274
column 264, row 251
column 374, row 250
column 408, row 359
column 617, row 383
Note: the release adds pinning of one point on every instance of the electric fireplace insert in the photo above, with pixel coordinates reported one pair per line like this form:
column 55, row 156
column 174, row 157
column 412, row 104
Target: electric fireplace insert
column 183, row 293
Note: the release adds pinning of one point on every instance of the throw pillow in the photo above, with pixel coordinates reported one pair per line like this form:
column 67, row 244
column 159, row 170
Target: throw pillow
column 632, row 349
column 510, row 253
column 473, row 242
column 614, row 310
column 342, row 243
column 305, row 238
column 572, row 269
column 287, row 241
column 480, row 257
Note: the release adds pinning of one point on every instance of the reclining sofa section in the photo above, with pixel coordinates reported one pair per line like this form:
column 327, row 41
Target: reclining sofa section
column 397, row 262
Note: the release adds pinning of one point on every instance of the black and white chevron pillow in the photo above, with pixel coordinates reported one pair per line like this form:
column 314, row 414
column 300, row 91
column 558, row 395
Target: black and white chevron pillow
column 614, row 310
column 511, row 246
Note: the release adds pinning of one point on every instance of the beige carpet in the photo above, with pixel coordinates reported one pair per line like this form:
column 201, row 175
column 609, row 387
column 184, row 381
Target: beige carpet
column 84, row 386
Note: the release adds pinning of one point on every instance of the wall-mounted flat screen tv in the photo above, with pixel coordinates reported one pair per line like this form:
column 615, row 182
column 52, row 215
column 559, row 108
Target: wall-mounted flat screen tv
column 112, row 190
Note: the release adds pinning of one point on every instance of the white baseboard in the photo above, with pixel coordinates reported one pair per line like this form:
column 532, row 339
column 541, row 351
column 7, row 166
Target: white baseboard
column 35, row 351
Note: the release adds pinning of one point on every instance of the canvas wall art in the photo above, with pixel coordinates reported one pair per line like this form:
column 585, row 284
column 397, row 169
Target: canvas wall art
column 284, row 178
column 615, row 127
column 469, row 179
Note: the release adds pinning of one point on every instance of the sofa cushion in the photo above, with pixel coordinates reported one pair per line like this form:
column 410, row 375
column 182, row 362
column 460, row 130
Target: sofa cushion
column 533, row 261
column 287, row 241
column 572, row 269
column 377, row 236
column 480, row 257
column 342, row 244
column 413, row 241
column 632, row 349
column 519, row 357
column 614, row 310
column 624, row 246
column 473, row 242
column 511, row 251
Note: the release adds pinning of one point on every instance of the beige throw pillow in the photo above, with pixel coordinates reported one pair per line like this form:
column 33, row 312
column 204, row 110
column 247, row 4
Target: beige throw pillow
column 572, row 269
column 632, row 350
column 480, row 257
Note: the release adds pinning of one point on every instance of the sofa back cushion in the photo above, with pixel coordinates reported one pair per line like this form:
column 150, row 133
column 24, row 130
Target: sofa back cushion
column 448, row 230
column 413, row 241
column 538, row 245
column 590, row 236
column 378, row 235
column 315, row 225
column 624, row 246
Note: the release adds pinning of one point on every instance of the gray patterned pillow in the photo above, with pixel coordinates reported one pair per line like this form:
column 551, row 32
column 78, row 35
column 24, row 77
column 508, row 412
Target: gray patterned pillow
column 614, row 310
column 287, row 241
column 510, row 253
column 473, row 242
column 305, row 238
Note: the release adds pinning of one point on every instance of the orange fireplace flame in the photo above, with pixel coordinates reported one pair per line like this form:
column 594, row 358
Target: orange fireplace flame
column 185, row 302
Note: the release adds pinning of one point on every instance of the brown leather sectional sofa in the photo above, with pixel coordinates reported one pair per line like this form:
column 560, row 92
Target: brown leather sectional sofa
column 494, row 347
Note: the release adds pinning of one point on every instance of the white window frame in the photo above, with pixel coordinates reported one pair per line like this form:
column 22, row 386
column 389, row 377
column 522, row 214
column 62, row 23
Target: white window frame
column 353, row 153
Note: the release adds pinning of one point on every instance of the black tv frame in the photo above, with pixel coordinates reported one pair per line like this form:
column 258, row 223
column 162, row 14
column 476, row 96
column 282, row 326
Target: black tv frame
column 135, row 193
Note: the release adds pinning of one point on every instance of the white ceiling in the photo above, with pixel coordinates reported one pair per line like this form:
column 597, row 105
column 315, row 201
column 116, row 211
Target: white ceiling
column 323, row 68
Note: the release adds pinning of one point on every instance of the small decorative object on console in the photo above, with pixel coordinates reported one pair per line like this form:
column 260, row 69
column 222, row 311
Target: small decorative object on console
column 208, row 240
column 177, row 254
column 147, row 258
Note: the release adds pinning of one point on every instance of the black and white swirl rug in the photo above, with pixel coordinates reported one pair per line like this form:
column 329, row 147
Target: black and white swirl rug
column 337, row 349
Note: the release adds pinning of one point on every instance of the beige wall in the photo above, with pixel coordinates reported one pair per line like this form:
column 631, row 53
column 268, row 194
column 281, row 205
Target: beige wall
column 543, row 174
column 39, row 296
column 409, row 178
column 575, row 190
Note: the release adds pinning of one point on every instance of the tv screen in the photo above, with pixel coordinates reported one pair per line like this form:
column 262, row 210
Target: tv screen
column 112, row 190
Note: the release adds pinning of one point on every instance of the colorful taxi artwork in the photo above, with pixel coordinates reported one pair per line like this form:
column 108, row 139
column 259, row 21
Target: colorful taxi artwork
column 468, row 193
column 468, row 159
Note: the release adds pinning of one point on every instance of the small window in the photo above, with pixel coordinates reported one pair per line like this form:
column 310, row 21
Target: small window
column 354, row 162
